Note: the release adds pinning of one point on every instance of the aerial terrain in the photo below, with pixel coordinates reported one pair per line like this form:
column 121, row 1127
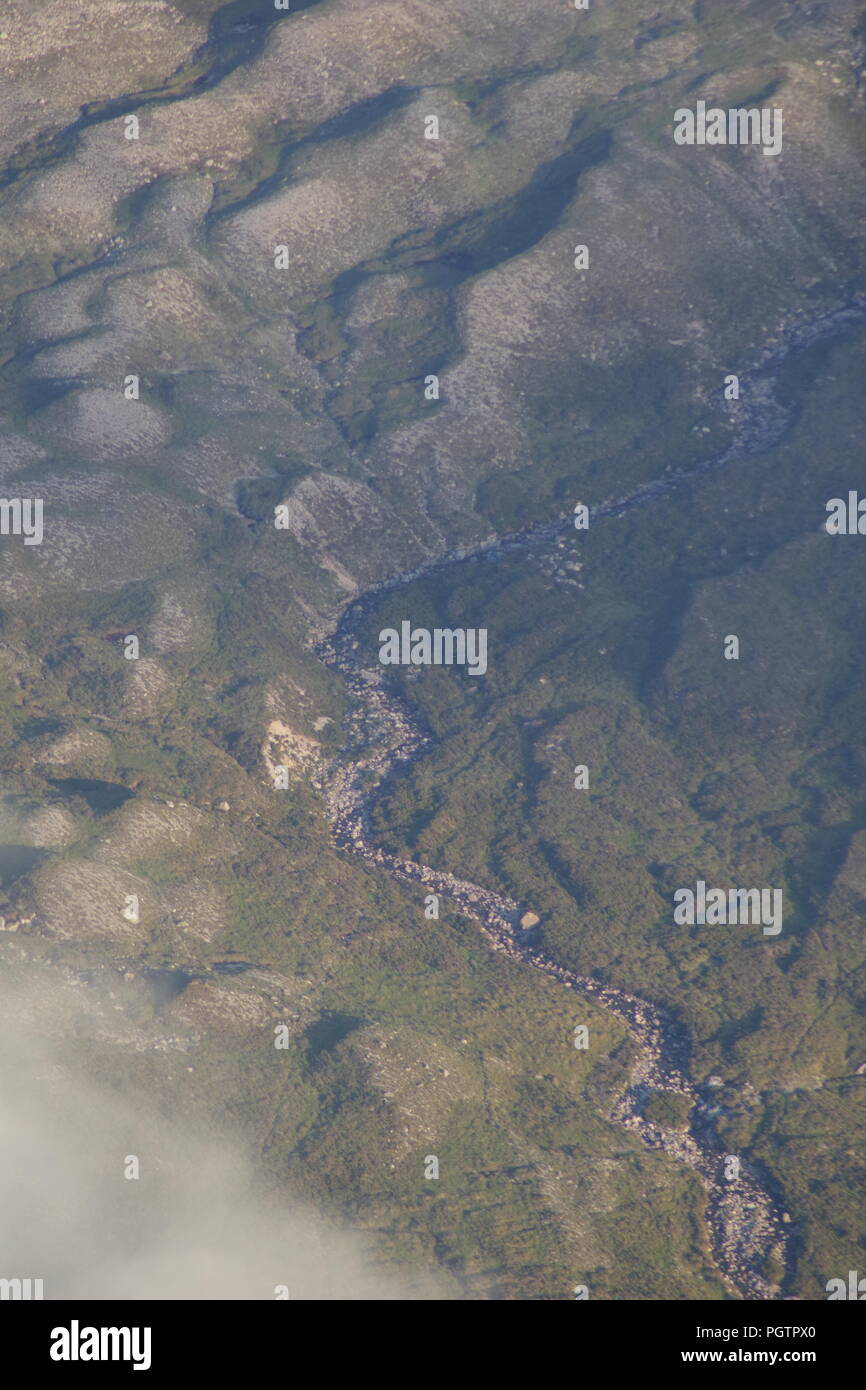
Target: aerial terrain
column 319, row 321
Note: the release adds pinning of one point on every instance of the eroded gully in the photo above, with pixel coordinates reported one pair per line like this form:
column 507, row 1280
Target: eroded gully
column 745, row 1224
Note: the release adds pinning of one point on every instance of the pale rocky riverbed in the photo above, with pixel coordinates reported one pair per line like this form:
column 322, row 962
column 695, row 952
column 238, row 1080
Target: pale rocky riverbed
column 747, row 1227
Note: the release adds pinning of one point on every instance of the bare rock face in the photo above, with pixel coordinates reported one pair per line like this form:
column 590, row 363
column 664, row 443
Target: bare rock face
column 529, row 920
column 208, row 1004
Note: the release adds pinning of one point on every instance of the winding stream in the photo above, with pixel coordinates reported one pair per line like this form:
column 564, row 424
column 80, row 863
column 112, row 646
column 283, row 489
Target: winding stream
column 745, row 1224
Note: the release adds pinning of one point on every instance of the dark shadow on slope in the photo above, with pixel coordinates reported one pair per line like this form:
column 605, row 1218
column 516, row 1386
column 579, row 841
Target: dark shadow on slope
column 16, row 860
column 165, row 986
column 327, row 1031
column 100, row 796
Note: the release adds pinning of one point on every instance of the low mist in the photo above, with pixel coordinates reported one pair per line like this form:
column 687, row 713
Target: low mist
column 190, row 1226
